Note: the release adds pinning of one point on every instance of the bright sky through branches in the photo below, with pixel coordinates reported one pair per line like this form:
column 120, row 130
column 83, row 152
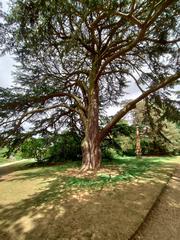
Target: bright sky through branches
column 6, row 69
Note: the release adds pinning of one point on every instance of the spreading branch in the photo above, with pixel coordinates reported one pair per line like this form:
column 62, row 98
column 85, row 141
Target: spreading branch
column 131, row 105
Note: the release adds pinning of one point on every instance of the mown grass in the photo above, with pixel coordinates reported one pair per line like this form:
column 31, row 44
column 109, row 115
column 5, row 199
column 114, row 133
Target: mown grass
column 127, row 169
column 37, row 202
column 66, row 176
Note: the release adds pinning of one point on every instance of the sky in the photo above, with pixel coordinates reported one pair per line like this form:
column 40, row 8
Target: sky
column 6, row 68
column 6, row 62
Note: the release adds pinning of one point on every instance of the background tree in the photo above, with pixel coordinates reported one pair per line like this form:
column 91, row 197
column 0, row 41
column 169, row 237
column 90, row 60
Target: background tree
column 160, row 131
column 120, row 141
column 138, row 143
column 75, row 59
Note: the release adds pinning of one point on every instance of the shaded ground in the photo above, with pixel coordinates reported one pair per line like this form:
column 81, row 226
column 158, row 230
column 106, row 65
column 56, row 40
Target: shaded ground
column 57, row 203
column 8, row 167
column 163, row 223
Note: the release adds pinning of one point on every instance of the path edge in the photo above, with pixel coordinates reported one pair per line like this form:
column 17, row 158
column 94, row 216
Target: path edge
column 154, row 204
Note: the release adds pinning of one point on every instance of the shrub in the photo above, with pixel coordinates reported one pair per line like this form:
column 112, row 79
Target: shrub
column 35, row 148
column 66, row 146
column 62, row 147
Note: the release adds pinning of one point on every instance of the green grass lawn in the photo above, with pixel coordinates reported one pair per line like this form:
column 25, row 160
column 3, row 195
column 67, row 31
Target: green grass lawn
column 4, row 159
column 59, row 202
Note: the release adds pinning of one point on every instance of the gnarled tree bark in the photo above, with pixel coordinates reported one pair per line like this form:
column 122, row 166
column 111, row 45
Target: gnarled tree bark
column 91, row 151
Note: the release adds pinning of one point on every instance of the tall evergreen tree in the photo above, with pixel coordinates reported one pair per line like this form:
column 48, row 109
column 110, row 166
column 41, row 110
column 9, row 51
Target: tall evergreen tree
column 75, row 58
column 159, row 125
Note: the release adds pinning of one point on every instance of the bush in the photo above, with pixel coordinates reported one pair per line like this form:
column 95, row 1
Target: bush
column 66, row 146
column 35, row 148
column 62, row 147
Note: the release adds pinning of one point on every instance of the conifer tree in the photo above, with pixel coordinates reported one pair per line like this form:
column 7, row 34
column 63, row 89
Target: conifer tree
column 75, row 59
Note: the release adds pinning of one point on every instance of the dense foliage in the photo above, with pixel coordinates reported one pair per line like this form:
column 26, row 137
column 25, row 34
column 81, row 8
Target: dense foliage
column 60, row 148
column 123, row 142
column 120, row 142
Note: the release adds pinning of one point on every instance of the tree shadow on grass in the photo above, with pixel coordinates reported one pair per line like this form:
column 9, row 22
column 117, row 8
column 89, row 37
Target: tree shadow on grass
column 133, row 167
column 13, row 168
column 127, row 169
column 33, row 170
column 61, row 212
column 69, row 206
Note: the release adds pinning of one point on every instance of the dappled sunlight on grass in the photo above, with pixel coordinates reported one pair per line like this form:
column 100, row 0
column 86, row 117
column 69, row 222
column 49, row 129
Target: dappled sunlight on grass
column 53, row 202
column 120, row 169
column 54, row 214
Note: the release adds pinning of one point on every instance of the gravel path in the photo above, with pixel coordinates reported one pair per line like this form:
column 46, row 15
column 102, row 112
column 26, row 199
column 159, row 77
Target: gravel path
column 163, row 223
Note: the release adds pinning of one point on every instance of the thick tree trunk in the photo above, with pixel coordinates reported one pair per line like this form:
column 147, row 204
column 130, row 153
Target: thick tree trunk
column 91, row 151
